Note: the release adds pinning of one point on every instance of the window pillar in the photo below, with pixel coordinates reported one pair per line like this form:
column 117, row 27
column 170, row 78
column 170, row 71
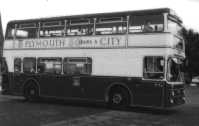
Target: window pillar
column 65, row 27
column 38, row 33
column 94, row 26
column 165, row 27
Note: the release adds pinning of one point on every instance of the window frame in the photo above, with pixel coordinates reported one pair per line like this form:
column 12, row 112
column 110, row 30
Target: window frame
column 9, row 32
column 88, row 62
column 107, row 23
column 21, row 65
column 132, row 20
column 122, row 23
column 35, row 65
column 143, row 68
column 170, row 58
column 3, row 65
column 50, row 58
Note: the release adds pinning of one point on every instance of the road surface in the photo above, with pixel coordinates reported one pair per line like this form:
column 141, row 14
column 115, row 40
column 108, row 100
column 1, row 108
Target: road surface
column 14, row 111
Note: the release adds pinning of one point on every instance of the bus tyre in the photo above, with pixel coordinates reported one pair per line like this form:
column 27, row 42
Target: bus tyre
column 31, row 92
column 118, row 98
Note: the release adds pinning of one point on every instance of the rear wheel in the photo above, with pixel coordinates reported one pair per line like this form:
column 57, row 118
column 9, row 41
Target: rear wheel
column 119, row 97
column 31, row 92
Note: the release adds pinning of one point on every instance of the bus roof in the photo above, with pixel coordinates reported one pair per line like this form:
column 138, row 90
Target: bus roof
column 123, row 13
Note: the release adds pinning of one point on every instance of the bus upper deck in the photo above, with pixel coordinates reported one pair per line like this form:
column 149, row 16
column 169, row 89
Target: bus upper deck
column 98, row 30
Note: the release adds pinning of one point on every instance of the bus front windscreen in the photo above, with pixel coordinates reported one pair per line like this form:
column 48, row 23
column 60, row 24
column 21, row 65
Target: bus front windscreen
column 174, row 73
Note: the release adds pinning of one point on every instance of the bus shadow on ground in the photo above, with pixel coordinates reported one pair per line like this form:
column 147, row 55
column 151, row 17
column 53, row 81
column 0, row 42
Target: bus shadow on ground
column 73, row 103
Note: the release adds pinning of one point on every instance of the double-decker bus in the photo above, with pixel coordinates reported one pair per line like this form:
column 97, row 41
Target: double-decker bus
column 105, row 57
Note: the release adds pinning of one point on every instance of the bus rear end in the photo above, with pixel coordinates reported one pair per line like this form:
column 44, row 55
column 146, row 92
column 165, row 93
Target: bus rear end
column 4, row 77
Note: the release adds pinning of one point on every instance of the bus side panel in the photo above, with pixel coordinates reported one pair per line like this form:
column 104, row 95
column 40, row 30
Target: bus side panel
column 13, row 84
column 17, row 81
column 149, row 93
column 95, row 87
column 58, row 86
column 50, row 85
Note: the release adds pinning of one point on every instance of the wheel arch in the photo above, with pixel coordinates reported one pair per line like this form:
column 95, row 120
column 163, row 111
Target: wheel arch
column 115, row 85
column 35, row 82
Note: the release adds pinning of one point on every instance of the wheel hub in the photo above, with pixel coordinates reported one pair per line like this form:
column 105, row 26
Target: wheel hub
column 32, row 92
column 117, row 98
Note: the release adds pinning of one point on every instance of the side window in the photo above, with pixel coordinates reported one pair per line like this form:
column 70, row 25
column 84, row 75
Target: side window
column 26, row 33
column 154, row 67
column 111, row 25
column 77, row 66
column 146, row 23
column 52, row 29
column 10, row 32
column 79, row 30
column 80, row 26
column 49, row 65
column 26, row 30
column 3, row 65
column 174, row 72
column 17, row 65
column 29, row 65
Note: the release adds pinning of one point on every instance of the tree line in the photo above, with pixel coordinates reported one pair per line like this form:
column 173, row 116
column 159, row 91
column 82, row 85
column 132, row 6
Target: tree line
column 191, row 39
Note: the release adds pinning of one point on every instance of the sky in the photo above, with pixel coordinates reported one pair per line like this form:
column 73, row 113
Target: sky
column 27, row 9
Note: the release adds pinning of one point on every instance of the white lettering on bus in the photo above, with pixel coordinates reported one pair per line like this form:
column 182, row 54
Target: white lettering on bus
column 78, row 42
column 51, row 43
column 103, row 41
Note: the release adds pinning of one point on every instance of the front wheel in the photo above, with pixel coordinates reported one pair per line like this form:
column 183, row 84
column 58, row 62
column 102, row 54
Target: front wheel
column 119, row 97
column 31, row 93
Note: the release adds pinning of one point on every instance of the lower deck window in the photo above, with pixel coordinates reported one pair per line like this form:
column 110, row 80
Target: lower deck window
column 17, row 65
column 153, row 67
column 29, row 65
column 3, row 65
column 77, row 66
column 49, row 65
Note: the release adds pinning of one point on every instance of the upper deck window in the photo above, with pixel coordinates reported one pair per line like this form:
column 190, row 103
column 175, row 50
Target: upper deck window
column 52, row 32
column 10, row 32
column 52, row 24
column 80, row 21
column 27, row 25
column 26, row 33
column 80, row 26
column 174, row 25
column 79, row 30
column 146, row 23
column 22, row 31
column 52, row 29
column 26, row 30
column 111, row 19
column 111, row 25
column 95, row 25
